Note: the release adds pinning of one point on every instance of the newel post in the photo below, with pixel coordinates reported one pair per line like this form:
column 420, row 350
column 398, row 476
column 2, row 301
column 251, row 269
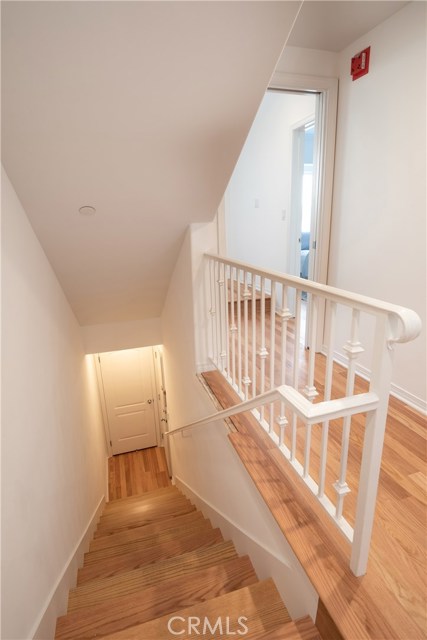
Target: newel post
column 372, row 447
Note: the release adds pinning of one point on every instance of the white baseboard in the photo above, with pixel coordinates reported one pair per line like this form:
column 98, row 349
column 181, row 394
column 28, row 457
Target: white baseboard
column 202, row 367
column 56, row 604
column 408, row 398
column 291, row 581
column 401, row 394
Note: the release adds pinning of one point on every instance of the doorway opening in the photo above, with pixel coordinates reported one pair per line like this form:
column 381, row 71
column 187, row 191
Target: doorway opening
column 133, row 398
column 271, row 203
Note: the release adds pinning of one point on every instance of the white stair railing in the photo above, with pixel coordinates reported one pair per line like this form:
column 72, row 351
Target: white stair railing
column 256, row 322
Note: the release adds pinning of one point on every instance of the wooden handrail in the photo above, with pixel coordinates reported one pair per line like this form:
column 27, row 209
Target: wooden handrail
column 234, row 311
column 405, row 324
column 308, row 412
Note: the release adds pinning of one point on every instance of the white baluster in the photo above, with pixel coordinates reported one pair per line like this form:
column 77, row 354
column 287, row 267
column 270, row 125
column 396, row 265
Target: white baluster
column 381, row 372
column 246, row 295
column 272, row 348
column 310, row 390
column 221, row 316
column 254, row 327
column 263, row 353
column 239, row 334
column 233, row 327
column 227, row 279
column 331, row 311
column 353, row 349
column 212, row 310
column 307, row 450
column 297, row 332
column 284, row 315
column 295, row 378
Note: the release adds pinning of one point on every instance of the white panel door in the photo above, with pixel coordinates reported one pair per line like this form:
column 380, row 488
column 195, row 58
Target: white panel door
column 128, row 383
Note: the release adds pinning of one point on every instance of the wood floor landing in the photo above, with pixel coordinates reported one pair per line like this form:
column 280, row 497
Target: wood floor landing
column 130, row 474
column 390, row 601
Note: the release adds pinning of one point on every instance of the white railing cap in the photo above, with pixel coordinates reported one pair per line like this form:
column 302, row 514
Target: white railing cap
column 405, row 324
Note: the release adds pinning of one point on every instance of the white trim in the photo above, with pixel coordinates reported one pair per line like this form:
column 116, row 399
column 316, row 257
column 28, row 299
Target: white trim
column 57, row 601
column 413, row 401
column 102, row 401
column 107, row 479
column 408, row 398
column 326, row 123
column 203, row 367
column 156, row 393
column 289, row 576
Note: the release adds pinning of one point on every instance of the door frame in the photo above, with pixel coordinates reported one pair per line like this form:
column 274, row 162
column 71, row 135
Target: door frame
column 326, row 119
column 326, row 122
column 103, row 403
column 295, row 223
column 161, row 395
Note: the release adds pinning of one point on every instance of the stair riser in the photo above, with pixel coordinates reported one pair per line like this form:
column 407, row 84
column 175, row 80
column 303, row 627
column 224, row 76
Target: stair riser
column 141, row 545
column 260, row 604
column 125, row 611
column 133, row 503
column 302, row 629
column 97, row 591
column 140, row 521
column 149, row 496
column 148, row 530
column 112, row 566
column 138, row 509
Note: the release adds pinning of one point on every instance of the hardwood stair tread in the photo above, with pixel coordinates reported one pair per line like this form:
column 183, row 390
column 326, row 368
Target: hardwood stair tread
column 141, row 544
column 143, row 507
column 121, row 612
column 146, row 495
column 301, row 629
column 139, row 520
column 135, row 506
column 96, row 591
column 260, row 603
column 126, row 562
column 126, row 535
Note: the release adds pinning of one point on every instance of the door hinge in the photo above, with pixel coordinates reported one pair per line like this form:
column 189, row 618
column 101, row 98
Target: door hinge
column 314, row 245
column 99, row 359
column 111, row 444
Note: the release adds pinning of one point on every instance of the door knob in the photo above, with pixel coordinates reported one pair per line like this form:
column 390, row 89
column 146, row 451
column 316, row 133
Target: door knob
column 149, row 401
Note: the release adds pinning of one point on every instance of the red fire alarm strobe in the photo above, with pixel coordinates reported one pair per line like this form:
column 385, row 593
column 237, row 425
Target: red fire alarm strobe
column 360, row 63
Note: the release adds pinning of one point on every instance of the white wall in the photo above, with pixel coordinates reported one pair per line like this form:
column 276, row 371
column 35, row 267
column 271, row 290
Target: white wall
column 204, row 463
column 257, row 200
column 53, row 444
column 183, row 310
column 308, row 62
column 98, row 338
column 378, row 243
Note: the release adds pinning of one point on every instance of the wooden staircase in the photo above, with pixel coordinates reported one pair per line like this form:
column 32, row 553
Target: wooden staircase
column 153, row 557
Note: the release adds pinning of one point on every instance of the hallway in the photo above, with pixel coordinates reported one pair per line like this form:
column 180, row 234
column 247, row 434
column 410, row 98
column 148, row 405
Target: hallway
column 137, row 472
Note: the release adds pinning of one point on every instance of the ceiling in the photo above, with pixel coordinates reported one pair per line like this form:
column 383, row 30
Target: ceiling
column 332, row 26
column 139, row 109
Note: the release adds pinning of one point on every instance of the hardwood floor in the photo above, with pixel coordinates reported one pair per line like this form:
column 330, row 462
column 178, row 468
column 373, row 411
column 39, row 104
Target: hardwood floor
column 403, row 472
column 397, row 570
column 130, row 474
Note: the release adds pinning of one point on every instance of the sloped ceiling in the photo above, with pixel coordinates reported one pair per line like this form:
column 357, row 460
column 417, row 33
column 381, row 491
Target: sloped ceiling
column 139, row 109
